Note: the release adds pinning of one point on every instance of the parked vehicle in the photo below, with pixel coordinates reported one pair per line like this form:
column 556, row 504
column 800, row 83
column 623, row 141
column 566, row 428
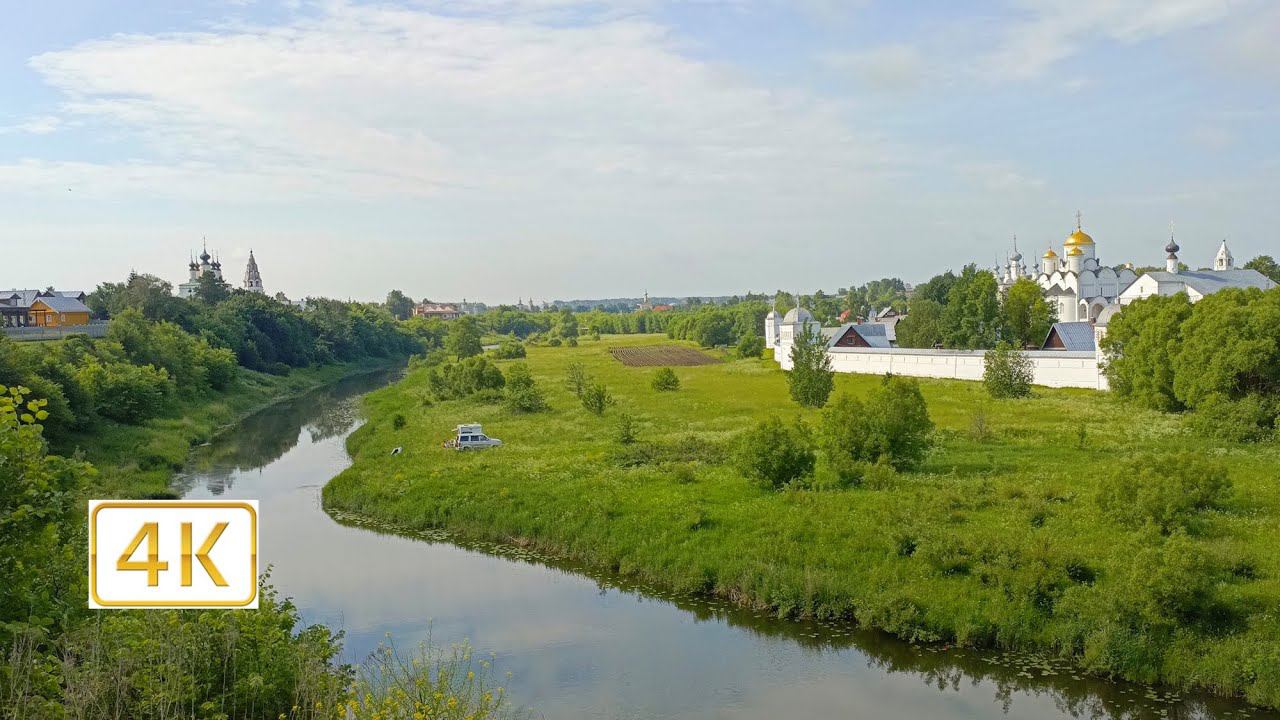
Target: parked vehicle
column 470, row 437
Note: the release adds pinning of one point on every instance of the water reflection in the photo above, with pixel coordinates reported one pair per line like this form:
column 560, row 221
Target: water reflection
column 598, row 646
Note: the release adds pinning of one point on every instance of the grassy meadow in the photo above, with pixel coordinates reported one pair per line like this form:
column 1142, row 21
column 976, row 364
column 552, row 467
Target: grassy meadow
column 998, row 540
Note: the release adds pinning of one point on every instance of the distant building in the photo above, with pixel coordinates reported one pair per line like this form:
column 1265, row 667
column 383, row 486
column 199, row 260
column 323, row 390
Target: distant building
column 43, row 308
column 208, row 265
column 1195, row 283
column 252, row 279
column 436, row 310
column 1075, row 336
column 58, row 311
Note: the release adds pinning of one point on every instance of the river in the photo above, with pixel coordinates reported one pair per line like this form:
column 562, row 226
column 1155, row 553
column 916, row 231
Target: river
column 580, row 646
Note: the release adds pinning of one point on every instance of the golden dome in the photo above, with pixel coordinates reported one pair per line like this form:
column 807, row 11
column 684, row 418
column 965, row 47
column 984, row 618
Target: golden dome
column 1050, row 254
column 1079, row 237
column 1075, row 250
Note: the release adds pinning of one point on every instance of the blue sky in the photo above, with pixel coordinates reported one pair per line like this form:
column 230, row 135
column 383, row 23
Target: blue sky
column 587, row 148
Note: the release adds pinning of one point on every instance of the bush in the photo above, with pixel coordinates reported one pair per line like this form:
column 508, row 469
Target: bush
column 1007, row 372
column 596, row 398
column 893, row 428
column 398, row 422
column 1250, row 419
column 576, row 378
column 509, row 349
column 811, row 378
column 751, row 346
column 1169, row 492
column 521, row 393
column 774, row 455
column 464, row 378
column 554, row 342
column 126, row 393
column 665, row 380
column 626, row 429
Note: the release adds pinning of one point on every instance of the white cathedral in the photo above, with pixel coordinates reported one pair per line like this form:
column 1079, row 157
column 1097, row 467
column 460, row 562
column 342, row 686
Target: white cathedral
column 1076, row 284
column 211, row 265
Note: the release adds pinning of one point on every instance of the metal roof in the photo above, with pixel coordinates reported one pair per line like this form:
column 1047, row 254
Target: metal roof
column 1077, row 336
column 57, row 303
column 1207, row 282
column 875, row 334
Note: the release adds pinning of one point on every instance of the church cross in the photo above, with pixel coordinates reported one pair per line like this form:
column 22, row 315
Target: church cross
column 1077, row 219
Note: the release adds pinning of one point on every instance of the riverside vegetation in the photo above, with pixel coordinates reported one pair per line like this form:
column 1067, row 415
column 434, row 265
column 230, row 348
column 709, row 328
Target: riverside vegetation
column 1071, row 522
column 83, row 418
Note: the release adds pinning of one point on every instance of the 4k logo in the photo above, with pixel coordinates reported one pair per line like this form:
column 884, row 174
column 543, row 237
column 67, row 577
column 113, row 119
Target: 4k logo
column 173, row 554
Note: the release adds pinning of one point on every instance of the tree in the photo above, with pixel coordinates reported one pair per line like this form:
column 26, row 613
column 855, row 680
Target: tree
column 521, row 393
column 509, row 349
column 210, row 290
column 665, row 380
column 463, row 337
column 811, row 378
column 713, row 329
column 567, row 326
column 1265, row 265
column 900, row 430
column 774, row 455
column 596, row 398
column 1026, row 315
column 1007, row 371
column 751, row 346
column 923, row 326
column 464, row 378
column 1140, row 346
column 937, row 289
column 399, row 305
column 576, row 378
column 844, row 437
column 972, row 317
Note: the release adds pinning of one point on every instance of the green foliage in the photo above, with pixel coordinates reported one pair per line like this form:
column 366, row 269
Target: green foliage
column 399, row 305
column 576, row 378
column 596, row 398
column 866, row 300
column 937, row 289
column 429, row 683
column 714, row 329
column 972, row 316
column 567, row 325
column 509, row 349
column 627, row 429
column 775, row 455
column 750, row 346
column 1266, row 265
column 811, row 378
column 521, row 393
column 1168, row 491
column 665, row 380
column 923, row 327
column 126, row 393
column 1007, row 371
column 210, row 290
column 1026, row 315
column 899, row 430
column 1140, row 346
column 463, row 338
column 398, row 422
column 464, row 378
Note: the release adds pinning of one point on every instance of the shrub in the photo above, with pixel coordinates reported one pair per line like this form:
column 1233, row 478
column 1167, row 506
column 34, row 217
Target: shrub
column 521, row 393
column 1167, row 491
column 576, row 378
column 774, row 455
column 626, row 429
column 751, row 346
column 811, row 378
column 398, row 422
column 665, row 380
column 596, row 398
column 554, row 342
column 466, row 377
column 126, row 393
column 893, row 427
column 509, row 349
column 1007, row 372
column 1249, row 419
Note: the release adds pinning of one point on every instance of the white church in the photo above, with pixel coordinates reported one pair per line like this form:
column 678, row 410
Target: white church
column 211, row 265
column 1085, row 294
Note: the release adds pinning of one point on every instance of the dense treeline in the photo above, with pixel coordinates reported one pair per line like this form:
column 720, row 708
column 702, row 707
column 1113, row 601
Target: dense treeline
column 968, row 312
column 1219, row 358
column 160, row 348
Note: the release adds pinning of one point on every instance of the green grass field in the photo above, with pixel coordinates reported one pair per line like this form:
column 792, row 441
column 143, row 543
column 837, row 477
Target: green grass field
column 997, row 541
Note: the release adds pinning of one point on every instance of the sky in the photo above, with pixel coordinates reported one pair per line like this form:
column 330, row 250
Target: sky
column 501, row 149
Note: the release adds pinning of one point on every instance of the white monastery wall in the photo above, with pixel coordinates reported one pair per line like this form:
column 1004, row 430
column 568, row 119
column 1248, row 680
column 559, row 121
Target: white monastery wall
column 1052, row 368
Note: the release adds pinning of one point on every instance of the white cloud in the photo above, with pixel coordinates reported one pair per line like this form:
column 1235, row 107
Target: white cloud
column 39, row 125
column 373, row 100
column 1050, row 31
column 887, row 68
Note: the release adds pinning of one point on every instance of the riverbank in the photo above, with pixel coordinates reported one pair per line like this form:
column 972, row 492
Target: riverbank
column 134, row 461
column 997, row 542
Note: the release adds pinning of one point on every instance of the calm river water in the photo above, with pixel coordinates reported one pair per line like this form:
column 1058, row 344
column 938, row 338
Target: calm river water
column 593, row 647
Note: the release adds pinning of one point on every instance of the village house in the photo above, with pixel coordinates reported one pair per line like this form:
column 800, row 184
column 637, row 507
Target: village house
column 439, row 311
column 43, row 308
